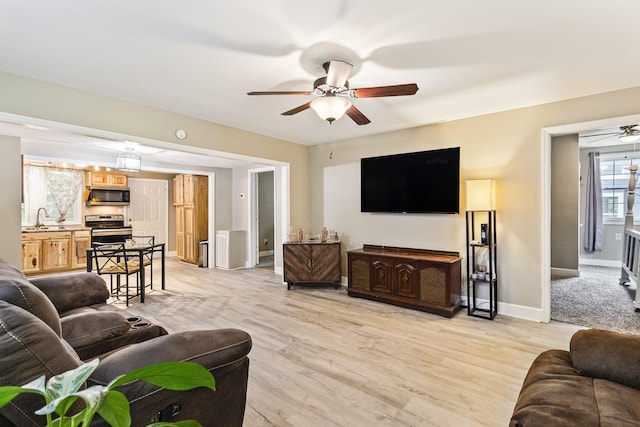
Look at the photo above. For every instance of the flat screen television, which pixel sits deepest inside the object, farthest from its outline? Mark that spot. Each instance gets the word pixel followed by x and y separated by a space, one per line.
pixel 421 182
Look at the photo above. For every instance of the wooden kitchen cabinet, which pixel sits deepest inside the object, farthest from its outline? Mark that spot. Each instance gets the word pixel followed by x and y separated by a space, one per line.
pixel 178 190
pixel 106 179
pixel 81 241
pixel 311 263
pixel 56 252
pixel 421 279
pixel 192 214
pixel 31 256
pixel 180 232
pixel 51 251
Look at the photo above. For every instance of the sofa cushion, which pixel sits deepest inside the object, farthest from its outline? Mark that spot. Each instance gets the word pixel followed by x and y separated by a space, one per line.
pixel 553 394
pixel 70 291
pixel 17 290
pixel 618 404
pixel 86 328
pixel 29 349
pixel 608 355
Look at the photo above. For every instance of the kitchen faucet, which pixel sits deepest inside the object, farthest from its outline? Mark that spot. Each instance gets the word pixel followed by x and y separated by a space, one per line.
pixel 38 222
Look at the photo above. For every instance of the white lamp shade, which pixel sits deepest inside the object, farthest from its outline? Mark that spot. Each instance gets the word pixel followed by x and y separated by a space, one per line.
pixel 128 161
pixel 481 195
pixel 330 108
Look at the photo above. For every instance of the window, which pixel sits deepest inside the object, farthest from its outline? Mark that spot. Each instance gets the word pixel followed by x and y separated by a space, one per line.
pixel 55 190
pixel 614 177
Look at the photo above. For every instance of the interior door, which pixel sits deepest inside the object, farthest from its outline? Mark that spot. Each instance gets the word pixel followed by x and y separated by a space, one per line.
pixel 148 212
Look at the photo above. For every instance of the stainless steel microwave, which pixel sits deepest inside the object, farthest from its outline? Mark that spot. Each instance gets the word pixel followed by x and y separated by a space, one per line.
pixel 100 196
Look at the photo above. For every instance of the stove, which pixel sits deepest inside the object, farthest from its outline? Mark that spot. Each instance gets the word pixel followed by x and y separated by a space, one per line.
pixel 107 229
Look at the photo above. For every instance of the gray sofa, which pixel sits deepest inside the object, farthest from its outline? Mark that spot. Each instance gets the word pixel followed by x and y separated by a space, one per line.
pixel 595 383
pixel 50 325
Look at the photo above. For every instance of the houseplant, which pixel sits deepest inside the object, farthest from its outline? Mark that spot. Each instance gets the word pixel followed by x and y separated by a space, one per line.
pixel 61 391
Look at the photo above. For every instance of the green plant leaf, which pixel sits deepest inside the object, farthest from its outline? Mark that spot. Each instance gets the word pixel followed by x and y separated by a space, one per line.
pixel 37 384
pixel 115 409
pixel 171 375
pixel 68 421
pixel 70 382
pixel 8 393
pixel 92 397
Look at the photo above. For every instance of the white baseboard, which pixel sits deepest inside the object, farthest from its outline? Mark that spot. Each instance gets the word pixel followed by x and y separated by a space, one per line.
pixel 265 253
pixel 601 262
pixel 565 272
pixel 521 312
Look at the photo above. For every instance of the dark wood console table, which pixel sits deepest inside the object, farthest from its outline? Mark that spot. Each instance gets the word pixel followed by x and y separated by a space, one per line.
pixel 311 263
pixel 421 279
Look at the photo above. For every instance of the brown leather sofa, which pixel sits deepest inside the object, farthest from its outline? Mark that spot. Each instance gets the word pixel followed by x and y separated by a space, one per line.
pixel 51 324
pixel 595 383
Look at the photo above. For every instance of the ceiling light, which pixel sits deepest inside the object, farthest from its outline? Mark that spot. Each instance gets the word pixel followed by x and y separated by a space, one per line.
pixel 330 108
pixel 629 136
pixel 128 161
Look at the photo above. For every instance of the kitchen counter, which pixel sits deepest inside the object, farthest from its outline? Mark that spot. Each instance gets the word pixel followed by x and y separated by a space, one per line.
pixel 54 228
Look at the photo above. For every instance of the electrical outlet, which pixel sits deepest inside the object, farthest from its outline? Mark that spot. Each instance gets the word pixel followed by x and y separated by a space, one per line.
pixel 266 242
pixel 618 236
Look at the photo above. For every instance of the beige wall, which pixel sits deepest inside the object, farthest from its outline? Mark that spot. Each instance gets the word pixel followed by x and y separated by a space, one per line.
pixel 565 193
pixel 506 146
pixel 11 197
pixel 31 98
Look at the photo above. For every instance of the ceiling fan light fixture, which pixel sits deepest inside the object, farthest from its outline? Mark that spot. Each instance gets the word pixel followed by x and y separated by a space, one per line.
pixel 330 108
pixel 629 137
pixel 128 161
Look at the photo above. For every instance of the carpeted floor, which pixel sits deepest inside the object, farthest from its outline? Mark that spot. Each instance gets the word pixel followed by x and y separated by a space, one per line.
pixel 595 299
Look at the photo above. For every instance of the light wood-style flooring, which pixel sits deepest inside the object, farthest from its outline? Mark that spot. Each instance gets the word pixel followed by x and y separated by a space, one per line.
pixel 321 358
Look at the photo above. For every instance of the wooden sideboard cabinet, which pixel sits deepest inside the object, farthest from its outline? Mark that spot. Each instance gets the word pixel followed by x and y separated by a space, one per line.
pixel 421 279
pixel 311 263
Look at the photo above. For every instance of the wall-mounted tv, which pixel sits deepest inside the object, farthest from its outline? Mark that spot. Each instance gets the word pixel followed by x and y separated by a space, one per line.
pixel 421 182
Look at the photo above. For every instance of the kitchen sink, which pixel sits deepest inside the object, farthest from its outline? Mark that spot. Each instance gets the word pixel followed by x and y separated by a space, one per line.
pixel 46 228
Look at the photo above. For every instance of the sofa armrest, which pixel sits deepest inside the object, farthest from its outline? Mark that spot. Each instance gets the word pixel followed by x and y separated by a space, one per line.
pixel 209 348
pixel 223 352
pixel 87 328
pixel 607 355
pixel 73 290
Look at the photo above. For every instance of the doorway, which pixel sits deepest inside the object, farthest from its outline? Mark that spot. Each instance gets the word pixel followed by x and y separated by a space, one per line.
pixel 546 237
pixel 263 185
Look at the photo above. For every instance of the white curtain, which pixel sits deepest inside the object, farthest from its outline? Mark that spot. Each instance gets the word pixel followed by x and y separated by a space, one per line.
pixel 593 209
pixel 63 186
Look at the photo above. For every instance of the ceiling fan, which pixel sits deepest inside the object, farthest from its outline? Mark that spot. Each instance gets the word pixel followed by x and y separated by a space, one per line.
pixel 333 94
pixel 628 133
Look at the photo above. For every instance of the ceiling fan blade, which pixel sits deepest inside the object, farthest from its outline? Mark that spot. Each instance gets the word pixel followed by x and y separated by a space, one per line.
pixel 297 109
pixel 357 116
pixel 602 134
pixel 337 72
pixel 286 92
pixel 602 137
pixel 395 90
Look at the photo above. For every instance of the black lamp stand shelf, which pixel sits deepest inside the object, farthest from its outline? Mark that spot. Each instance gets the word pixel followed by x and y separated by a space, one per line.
pixel 481 247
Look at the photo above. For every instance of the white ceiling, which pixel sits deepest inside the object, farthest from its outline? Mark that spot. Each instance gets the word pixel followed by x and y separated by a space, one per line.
pixel 199 57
